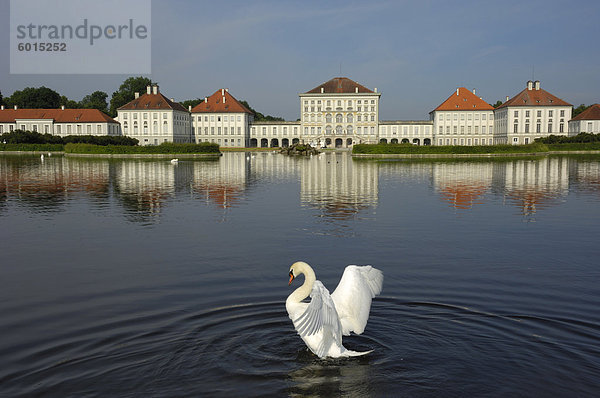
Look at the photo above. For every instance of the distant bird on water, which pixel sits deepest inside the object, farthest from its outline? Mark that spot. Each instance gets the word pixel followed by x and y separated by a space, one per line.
pixel 174 161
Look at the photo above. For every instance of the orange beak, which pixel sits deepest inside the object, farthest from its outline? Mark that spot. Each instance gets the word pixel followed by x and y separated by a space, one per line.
pixel 291 278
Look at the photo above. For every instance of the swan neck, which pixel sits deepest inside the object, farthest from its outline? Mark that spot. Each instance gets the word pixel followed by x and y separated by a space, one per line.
pixel 304 291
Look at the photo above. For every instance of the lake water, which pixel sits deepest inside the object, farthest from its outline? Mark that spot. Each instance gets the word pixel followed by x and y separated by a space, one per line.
pixel 140 278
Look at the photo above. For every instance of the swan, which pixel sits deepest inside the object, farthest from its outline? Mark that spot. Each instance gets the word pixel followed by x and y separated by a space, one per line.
pixel 174 161
pixel 322 322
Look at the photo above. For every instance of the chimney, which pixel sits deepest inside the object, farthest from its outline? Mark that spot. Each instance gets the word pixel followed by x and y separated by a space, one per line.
pixel 457 91
pixel 375 89
pixel 205 100
pixel 506 98
pixel 2 107
pixel 322 90
pixel 172 99
pixel 473 91
pixel 15 107
pixel 537 84
pixel 529 85
pixel 226 90
pixel 189 108
pixel 137 95
pixel 223 99
pixel 155 89
pixel 356 90
pixel 62 107
pixel 222 91
pixel 148 88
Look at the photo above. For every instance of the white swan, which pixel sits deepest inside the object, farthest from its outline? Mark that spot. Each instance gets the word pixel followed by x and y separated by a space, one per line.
pixel 174 161
pixel 322 322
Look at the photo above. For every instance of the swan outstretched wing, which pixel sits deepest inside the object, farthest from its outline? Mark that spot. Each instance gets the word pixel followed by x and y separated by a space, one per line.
pixel 320 315
pixel 353 295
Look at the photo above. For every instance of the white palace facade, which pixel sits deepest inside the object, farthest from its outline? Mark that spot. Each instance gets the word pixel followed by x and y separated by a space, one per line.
pixel 338 113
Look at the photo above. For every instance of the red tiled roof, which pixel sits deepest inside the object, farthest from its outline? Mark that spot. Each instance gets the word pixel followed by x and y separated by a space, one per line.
pixel 534 97
pixel 152 102
pixel 215 104
pixel 591 113
pixel 57 115
pixel 464 100
pixel 339 85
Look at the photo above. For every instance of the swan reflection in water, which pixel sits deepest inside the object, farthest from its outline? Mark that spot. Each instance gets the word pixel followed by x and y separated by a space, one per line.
pixel 347 377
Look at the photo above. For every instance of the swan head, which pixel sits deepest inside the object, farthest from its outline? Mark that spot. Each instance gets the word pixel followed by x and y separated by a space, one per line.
pixel 299 267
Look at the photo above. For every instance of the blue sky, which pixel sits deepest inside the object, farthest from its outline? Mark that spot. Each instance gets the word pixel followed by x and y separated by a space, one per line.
pixel 415 52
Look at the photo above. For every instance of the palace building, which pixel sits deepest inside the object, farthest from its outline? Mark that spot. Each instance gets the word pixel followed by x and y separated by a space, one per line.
pixel 60 122
pixel 531 114
pixel 338 113
pixel 587 121
pixel 463 119
pixel 152 119
pixel 221 119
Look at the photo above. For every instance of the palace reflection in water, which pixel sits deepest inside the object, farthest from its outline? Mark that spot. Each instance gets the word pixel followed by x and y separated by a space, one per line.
pixel 333 184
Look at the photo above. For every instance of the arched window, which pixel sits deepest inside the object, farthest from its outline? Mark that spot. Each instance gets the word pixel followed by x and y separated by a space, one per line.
pixel 135 127
pixel 349 118
pixel 155 127
pixel 349 129
pixel 338 130
pixel 328 118
pixel 124 126
pixel 145 127
pixel 165 127
pixel 339 118
pixel 328 130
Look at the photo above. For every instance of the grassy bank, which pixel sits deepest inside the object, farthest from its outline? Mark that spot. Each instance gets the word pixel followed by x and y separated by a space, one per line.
pixel 165 148
pixel 447 149
pixel 32 147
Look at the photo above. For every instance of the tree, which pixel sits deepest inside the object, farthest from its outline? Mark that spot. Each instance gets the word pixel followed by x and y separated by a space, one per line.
pixel 69 103
pixel 191 103
pixel 96 100
pixel 126 92
pixel 579 109
pixel 36 98
pixel 497 104
pixel 260 117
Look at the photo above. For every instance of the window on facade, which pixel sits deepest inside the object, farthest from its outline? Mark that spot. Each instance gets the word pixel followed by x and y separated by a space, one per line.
pixel 516 114
pixel 145 127
pixel 516 128
pixel 526 113
pixel 338 130
pixel 561 127
pixel 59 129
pixel 372 118
pixel 539 113
pixel 349 118
pixel 538 127
pixel 527 127
pixel 339 118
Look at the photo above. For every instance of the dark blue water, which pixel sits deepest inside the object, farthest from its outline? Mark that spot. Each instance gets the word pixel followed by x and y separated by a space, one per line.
pixel 129 278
